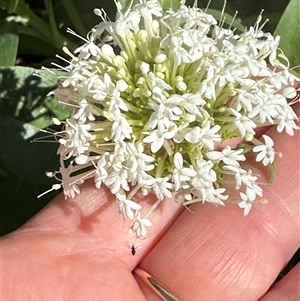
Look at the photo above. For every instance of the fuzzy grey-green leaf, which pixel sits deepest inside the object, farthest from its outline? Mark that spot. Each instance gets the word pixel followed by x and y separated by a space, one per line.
pixel 288 29
pixel 9 41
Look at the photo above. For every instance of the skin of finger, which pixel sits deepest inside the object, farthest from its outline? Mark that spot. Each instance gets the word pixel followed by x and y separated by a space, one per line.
pixel 214 253
pixel 93 216
pixel 78 250
pixel 71 277
pixel 287 289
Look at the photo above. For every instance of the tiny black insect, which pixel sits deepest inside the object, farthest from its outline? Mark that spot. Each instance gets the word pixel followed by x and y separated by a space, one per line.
pixel 133 251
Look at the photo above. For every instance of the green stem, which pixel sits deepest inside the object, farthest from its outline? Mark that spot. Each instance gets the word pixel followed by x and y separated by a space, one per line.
pixel 41 27
pixel 152 208
pixel 160 166
pixel 74 17
pixel 53 26
pixel 168 148
pixel 37 23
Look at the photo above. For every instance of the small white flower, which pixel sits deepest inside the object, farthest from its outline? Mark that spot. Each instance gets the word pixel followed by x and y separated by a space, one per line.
pixel 266 153
pixel 243 123
pixel 181 175
pixel 245 204
pixel 102 87
pixel 286 120
pixel 166 130
pixel 193 103
pixel 126 21
pixel 70 184
pixel 127 207
pixel 76 137
pixel 162 187
pixel 202 183
pixel 120 129
pixel 139 226
pixel 205 135
pixel 102 169
pixel 118 176
pixel 86 111
pixel 150 7
pixel 88 49
pixel 227 155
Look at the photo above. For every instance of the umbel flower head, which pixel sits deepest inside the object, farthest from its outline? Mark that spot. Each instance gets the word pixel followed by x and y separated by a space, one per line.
pixel 154 96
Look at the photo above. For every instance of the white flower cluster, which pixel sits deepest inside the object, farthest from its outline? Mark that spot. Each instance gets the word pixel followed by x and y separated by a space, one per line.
pixel 156 93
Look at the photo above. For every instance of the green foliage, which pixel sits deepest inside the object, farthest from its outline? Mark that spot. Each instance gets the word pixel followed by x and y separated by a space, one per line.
pixel 126 4
pixel 288 29
pixel 25 109
pixel 9 40
pixel 12 5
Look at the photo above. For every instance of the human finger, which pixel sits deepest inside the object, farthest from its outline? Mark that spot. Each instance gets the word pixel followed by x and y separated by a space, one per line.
pixel 286 289
pixel 214 252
